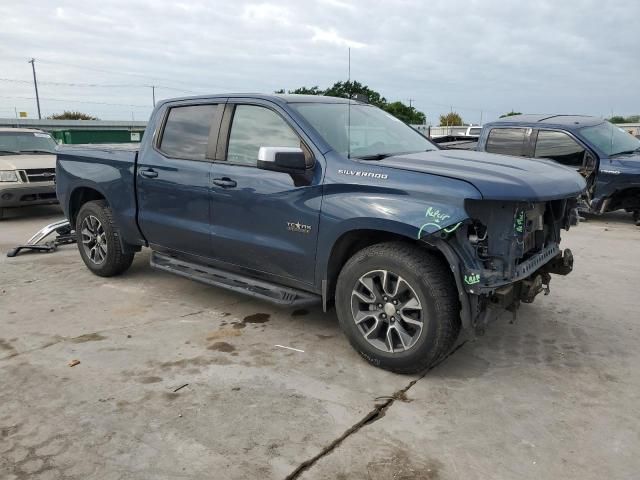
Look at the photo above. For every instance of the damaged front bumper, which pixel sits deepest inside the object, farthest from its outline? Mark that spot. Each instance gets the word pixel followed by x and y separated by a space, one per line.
pixel 505 253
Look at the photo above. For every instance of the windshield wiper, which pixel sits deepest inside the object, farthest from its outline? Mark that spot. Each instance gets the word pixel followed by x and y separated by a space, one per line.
pixel 9 152
pixel 36 151
pixel 377 156
pixel 381 156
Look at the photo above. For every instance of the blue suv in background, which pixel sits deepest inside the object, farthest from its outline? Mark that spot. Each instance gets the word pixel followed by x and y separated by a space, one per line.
pixel 607 156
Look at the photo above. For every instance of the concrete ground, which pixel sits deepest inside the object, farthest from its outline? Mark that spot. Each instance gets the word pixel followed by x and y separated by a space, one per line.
pixel 181 380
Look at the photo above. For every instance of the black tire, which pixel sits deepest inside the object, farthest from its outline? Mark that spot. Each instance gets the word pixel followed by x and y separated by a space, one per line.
pixel 115 261
pixel 432 282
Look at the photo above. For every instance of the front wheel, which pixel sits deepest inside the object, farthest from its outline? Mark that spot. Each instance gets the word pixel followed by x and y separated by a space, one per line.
pixel 98 240
pixel 398 305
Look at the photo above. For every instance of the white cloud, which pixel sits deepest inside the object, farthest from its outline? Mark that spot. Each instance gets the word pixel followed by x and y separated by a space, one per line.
pixel 266 12
pixel 479 56
pixel 334 38
pixel 339 4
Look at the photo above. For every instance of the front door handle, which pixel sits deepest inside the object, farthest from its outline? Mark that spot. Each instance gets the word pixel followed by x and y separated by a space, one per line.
pixel 149 173
pixel 224 182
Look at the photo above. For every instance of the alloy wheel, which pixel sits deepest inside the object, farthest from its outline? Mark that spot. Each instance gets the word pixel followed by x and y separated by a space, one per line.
pixel 94 239
pixel 387 311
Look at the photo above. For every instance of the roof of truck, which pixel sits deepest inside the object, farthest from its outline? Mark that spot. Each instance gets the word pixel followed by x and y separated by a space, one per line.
pixel 278 98
pixel 565 121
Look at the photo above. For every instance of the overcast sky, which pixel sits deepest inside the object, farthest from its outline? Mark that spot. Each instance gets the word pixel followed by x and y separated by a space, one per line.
pixel 480 57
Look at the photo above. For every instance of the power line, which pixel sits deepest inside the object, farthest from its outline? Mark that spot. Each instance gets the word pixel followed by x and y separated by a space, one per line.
pixel 98 85
pixel 77 101
pixel 117 72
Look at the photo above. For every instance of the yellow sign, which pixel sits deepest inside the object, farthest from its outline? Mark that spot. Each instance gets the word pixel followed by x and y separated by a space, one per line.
pixel 23 114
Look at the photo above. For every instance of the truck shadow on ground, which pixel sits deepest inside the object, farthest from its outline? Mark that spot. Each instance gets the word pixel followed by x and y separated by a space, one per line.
pixel 31 213
pixel 619 217
pixel 539 341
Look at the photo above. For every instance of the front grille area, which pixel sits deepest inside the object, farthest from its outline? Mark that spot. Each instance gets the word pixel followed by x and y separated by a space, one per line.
pixel 41 175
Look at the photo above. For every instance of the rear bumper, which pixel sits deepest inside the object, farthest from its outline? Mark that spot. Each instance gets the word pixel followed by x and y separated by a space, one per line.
pixel 22 195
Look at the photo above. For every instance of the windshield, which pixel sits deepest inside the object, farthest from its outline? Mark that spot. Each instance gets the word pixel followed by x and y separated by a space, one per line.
pixel 610 139
pixel 373 132
pixel 26 142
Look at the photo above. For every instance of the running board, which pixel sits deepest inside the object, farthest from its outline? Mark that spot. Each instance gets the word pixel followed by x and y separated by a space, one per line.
pixel 270 292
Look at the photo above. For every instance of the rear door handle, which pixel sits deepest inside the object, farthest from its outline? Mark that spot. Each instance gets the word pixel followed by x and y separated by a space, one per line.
pixel 224 182
pixel 149 173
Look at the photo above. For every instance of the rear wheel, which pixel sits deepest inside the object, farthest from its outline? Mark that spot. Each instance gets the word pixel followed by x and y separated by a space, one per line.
pixel 99 240
pixel 398 305
pixel 636 217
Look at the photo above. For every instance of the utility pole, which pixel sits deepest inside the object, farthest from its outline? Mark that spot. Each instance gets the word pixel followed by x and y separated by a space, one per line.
pixel 153 92
pixel 35 84
pixel 411 100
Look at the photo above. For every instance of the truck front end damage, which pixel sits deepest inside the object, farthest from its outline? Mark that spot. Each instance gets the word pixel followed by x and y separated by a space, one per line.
pixel 505 252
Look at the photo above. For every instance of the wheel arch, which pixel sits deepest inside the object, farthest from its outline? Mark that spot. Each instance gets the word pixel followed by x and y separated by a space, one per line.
pixel 84 194
pixel 79 196
pixel 352 241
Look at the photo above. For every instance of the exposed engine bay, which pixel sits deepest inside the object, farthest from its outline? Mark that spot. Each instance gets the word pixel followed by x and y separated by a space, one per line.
pixel 507 252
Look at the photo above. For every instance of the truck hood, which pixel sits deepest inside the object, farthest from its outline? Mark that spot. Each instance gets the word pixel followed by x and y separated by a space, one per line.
pixel 497 177
pixel 26 161
pixel 630 162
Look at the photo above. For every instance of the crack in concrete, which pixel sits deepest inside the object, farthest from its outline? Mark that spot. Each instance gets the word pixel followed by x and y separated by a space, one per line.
pixel 372 416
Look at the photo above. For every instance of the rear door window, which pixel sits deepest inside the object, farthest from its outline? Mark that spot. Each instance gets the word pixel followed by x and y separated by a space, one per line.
pixel 560 147
pixel 507 141
pixel 186 131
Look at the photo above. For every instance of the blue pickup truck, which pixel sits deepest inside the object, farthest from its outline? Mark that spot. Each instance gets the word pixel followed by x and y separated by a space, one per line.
pixel 297 199
pixel 607 156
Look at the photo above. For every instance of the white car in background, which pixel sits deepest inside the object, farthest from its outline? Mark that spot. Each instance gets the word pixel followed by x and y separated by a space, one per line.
pixel 27 168
pixel 473 131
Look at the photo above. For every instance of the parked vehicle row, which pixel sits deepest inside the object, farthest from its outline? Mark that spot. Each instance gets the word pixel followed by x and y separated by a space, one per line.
pixel 296 199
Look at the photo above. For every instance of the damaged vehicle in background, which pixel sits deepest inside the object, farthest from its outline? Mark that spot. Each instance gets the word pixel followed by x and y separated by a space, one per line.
pixel 296 199
pixel 27 168
pixel 607 156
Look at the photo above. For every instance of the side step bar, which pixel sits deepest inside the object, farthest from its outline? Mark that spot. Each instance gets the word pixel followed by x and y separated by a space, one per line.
pixel 280 295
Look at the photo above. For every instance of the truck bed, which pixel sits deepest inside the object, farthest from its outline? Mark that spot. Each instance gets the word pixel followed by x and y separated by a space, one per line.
pixel 109 169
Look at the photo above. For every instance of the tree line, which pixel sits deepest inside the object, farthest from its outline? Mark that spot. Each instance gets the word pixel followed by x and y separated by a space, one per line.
pixel 349 89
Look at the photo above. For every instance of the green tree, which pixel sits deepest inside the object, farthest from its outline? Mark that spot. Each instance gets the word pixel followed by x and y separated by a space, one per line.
pixel 451 119
pixel 510 114
pixel 349 89
pixel 307 91
pixel 621 119
pixel 69 115
pixel 405 113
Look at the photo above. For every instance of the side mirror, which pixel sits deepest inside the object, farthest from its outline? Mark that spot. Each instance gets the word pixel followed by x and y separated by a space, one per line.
pixel 283 159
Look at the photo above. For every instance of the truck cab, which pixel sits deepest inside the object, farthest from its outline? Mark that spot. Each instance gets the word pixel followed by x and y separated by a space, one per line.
pixel 607 157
